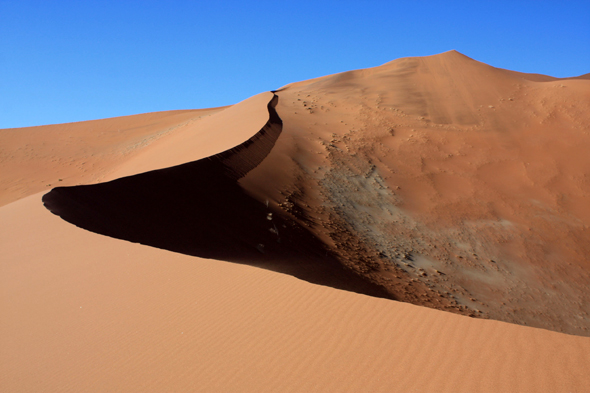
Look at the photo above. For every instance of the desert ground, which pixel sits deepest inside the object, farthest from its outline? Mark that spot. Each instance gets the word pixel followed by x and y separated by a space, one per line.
pixel 417 226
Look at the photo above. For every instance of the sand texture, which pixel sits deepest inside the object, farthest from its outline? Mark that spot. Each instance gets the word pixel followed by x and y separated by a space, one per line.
pixel 313 238
pixel 447 182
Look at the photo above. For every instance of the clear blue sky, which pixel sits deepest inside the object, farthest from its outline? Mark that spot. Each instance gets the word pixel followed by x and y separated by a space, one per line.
pixel 63 61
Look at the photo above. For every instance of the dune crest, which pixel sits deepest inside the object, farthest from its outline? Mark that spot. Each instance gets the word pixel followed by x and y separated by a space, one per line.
pixel 199 209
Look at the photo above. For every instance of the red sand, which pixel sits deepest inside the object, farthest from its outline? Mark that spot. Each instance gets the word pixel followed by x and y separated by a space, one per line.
pixel 83 312
pixel 469 181
pixel 439 163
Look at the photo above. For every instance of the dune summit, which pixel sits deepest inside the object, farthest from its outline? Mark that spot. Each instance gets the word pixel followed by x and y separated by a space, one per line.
pixel 443 183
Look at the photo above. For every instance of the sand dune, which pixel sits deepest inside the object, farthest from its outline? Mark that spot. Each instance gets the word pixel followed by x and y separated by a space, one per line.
pixel 467 181
pixel 438 181
pixel 199 209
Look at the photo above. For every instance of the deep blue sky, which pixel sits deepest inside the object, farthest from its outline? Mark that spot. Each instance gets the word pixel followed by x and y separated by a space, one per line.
pixel 63 61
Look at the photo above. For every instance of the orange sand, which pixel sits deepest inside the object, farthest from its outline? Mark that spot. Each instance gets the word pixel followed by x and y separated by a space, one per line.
pixel 468 180
pixel 86 312
pixel 83 312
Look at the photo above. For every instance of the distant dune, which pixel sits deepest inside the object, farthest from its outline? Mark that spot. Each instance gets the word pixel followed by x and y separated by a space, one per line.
pixel 438 181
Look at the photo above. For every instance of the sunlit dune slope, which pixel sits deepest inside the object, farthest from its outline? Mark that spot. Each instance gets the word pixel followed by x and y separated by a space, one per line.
pixel 451 183
pixel 209 136
pixel 38 158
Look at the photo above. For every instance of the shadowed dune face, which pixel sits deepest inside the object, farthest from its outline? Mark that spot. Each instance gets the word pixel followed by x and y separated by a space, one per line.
pixel 199 209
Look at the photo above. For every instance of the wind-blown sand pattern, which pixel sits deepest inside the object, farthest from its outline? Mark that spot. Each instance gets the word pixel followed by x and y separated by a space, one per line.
pixel 437 181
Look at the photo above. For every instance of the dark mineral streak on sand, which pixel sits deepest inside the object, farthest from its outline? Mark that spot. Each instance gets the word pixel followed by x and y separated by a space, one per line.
pixel 199 209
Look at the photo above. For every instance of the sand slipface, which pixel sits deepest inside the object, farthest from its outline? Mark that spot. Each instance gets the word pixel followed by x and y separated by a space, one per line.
pixel 437 181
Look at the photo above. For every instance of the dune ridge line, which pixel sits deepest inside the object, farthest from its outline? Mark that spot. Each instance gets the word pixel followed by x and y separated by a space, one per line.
pixel 200 209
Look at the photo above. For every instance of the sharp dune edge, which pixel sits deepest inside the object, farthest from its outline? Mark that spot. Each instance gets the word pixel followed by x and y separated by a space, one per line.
pixel 438 181
pixel 198 209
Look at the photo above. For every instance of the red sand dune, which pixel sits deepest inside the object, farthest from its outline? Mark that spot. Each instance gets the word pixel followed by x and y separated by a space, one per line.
pixel 439 181
pixel 468 181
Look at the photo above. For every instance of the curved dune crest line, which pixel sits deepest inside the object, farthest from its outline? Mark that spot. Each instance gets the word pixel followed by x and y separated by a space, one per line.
pixel 439 181
pixel 199 209
pixel 240 160
pixel 206 137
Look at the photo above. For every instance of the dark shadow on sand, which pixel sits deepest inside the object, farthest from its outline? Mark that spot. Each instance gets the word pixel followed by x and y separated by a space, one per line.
pixel 199 209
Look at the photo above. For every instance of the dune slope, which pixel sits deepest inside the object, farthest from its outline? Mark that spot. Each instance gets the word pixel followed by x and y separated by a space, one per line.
pixel 34 159
pixel 450 183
